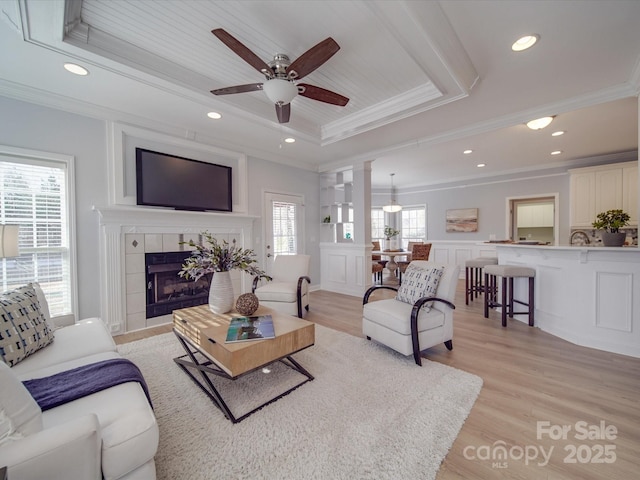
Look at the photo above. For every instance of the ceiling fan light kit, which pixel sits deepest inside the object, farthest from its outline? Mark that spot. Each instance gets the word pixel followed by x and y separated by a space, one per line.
pixel 280 74
pixel 280 91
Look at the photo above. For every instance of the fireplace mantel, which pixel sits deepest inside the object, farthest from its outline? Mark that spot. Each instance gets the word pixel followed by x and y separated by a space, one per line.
pixel 119 223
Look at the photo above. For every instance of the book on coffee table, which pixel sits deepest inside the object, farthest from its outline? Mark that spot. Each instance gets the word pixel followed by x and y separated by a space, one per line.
pixel 244 329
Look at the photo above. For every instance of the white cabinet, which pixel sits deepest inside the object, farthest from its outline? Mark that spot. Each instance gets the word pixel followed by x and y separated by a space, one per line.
pixel 608 189
pixel 630 192
pixel 535 215
pixel 336 206
pixel 598 189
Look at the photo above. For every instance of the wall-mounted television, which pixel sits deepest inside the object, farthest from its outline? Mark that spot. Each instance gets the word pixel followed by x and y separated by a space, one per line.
pixel 164 180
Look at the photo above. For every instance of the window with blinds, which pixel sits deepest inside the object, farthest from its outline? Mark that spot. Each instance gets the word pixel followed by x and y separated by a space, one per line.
pixel 284 228
pixel 34 196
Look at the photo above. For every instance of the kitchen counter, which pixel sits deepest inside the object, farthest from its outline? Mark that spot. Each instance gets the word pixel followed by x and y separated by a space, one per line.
pixel 588 295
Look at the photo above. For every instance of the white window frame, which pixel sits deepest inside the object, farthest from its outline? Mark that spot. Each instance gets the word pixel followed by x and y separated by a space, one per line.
pixel 377 234
pixel 67 163
pixel 406 238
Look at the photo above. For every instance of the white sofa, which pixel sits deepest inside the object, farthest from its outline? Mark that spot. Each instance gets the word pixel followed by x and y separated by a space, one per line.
pixel 111 434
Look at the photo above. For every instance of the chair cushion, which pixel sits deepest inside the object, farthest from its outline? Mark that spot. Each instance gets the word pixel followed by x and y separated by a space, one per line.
pixel 396 316
pixel 418 282
pixel 20 415
pixel 23 327
pixel 278 292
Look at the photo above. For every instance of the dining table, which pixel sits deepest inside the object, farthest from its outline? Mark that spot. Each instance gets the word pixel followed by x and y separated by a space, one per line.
pixel 392 266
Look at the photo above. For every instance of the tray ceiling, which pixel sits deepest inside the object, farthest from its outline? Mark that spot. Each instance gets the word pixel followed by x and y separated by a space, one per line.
pixel 426 80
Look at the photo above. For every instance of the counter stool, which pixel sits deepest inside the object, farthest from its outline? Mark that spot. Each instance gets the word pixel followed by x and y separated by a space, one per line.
pixel 491 272
pixel 473 276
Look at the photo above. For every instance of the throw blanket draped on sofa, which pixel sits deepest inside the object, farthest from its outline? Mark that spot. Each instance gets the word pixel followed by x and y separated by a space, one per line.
pixel 64 387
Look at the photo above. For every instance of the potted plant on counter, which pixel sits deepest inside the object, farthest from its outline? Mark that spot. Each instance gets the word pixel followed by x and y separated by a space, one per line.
pixel 611 222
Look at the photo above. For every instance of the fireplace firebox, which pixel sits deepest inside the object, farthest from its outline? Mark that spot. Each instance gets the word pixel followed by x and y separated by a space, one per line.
pixel 166 290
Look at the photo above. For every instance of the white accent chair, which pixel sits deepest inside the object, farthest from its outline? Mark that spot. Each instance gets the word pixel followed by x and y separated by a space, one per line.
pixel 408 328
pixel 288 291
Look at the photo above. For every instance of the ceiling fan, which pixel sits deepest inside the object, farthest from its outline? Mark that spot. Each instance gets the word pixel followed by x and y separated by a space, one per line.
pixel 281 74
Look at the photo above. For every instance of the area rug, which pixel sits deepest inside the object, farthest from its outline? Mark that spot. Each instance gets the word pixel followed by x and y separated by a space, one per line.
pixel 370 413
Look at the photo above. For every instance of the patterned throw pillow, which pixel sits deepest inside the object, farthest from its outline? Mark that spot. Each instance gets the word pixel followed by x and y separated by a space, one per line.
pixel 23 328
pixel 418 282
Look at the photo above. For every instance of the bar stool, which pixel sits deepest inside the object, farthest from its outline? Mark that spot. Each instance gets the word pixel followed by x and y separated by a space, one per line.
pixel 491 272
pixel 473 276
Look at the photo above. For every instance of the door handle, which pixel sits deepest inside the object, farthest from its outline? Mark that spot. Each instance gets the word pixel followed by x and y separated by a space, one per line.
pixel 269 255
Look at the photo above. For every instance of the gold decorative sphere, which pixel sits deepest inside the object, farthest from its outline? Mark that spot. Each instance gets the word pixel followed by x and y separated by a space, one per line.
pixel 247 303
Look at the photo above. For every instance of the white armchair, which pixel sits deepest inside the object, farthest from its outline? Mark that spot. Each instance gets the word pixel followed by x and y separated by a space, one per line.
pixel 288 291
pixel 422 320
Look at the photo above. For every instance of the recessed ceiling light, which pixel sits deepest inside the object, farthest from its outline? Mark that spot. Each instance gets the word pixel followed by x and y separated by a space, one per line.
pixel 467 152
pixel 76 69
pixel 290 140
pixel 525 42
pixel 539 123
pixel 214 115
pixel 556 152
pixel 480 165
pixel 558 133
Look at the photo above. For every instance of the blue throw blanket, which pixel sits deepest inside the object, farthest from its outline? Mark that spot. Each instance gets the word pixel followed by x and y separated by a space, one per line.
pixel 70 385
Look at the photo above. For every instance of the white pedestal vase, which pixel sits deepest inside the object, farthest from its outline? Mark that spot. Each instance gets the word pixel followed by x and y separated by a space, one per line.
pixel 221 293
pixel 391 245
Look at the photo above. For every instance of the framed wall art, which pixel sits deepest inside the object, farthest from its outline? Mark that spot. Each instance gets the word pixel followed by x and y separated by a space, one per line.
pixel 462 220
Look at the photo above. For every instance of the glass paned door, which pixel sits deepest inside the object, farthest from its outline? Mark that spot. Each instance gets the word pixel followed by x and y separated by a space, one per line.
pixel 284 218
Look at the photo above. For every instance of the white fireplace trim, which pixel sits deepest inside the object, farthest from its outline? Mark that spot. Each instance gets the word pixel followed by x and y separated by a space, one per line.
pixel 117 222
pixel 117 155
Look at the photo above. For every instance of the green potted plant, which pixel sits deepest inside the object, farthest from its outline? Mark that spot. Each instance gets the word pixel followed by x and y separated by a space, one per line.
pixel 219 258
pixel 391 242
pixel 611 222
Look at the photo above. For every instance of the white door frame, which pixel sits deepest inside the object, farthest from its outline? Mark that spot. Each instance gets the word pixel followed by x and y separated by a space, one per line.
pixel 268 198
pixel 556 213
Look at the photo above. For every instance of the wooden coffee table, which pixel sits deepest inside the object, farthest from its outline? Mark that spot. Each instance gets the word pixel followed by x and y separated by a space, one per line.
pixel 202 334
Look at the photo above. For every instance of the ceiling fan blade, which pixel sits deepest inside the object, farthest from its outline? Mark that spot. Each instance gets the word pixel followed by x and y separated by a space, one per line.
pixel 242 51
pixel 321 94
pixel 283 112
pixel 251 87
pixel 313 58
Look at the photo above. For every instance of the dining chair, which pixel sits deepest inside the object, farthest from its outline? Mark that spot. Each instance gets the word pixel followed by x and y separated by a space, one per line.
pixel 419 251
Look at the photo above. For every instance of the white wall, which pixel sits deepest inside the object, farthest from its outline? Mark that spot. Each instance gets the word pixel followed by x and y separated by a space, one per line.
pixel 273 177
pixel 29 126
pixel 34 127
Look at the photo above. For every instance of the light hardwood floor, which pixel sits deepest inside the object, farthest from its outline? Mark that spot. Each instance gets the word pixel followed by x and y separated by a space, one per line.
pixel 529 377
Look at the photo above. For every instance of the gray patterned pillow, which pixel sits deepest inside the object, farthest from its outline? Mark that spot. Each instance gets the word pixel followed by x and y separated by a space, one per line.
pixel 23 328
pixel 418 282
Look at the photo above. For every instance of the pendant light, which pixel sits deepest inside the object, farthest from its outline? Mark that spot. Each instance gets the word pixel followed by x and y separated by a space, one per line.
pixel 393 206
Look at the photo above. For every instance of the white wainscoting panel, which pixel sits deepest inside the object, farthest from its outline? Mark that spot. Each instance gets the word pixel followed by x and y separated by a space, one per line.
pixel 614 300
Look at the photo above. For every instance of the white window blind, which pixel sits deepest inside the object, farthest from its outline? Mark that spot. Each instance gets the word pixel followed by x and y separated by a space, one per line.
pixel 34 196
pixel 284 228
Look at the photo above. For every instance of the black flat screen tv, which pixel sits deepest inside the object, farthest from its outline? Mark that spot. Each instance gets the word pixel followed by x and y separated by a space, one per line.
pixel 164 180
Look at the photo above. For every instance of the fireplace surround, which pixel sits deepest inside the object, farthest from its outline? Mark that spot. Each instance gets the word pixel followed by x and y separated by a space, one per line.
pixel 127 234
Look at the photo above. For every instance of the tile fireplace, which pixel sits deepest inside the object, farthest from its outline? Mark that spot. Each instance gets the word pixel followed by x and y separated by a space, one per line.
pixel 129 234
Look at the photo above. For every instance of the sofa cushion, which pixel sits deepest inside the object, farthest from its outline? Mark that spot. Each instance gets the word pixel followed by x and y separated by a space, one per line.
pixel 418 282
pixel 20 415
pixel 84 338
pixel 23 327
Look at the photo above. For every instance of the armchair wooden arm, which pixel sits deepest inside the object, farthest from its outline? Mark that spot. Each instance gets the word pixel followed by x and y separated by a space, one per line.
pixel 415 311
